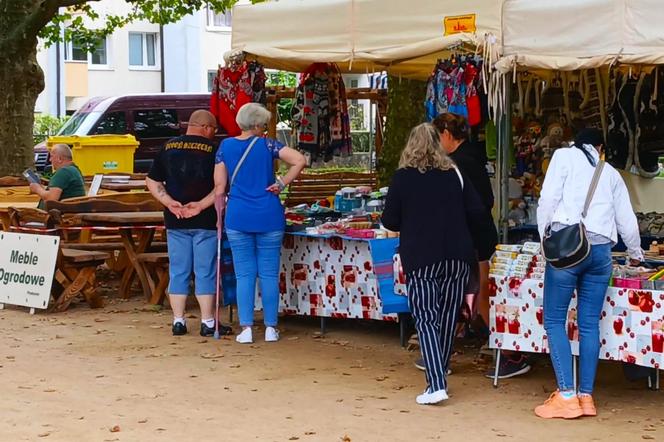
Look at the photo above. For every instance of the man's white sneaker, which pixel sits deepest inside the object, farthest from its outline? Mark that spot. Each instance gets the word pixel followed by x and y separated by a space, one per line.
pixel 246 337
pixel 271 334
pixel 429 398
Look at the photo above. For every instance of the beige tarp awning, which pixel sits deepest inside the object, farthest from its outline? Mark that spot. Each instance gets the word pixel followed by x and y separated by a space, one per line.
pixel 579 34
pixel 404 37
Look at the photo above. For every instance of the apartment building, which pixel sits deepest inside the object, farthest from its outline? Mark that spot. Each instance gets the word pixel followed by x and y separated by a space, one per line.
pixel 140 58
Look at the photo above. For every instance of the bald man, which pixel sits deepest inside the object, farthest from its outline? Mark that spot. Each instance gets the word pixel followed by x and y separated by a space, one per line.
pixel 182 179
pixel 66 182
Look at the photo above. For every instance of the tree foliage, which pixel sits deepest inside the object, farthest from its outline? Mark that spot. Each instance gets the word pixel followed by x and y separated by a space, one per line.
pixel 285 105
pixel 45 126
pixel 71 18
pixel 405 111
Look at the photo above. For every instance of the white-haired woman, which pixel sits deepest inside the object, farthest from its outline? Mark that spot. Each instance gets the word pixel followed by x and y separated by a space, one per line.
pixel 438 214
pixel 255 219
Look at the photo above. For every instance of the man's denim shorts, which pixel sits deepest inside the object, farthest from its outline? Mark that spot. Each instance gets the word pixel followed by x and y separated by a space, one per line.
pixel 192 250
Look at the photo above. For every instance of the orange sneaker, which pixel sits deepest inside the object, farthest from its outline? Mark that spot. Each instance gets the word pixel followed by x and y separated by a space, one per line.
pixel 587 405
pixel 559 407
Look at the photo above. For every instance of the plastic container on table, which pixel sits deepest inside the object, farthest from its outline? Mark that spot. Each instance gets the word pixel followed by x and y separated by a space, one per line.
pixel 100 154
pixel 627 283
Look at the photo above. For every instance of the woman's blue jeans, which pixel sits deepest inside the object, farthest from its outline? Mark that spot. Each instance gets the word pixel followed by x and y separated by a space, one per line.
pixel 256 255
pixel 590 278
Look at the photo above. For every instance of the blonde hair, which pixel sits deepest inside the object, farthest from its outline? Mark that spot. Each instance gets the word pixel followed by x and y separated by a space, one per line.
pixel 252 115
pixel 423 150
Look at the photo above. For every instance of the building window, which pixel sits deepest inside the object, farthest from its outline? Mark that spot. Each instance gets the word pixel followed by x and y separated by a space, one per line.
pixel 143 49
pixel 219 19
pixel 210 79
pixel 74 51
pixel 100 54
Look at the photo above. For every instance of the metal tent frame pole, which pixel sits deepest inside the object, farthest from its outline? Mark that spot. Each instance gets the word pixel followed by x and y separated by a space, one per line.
pixel 503 157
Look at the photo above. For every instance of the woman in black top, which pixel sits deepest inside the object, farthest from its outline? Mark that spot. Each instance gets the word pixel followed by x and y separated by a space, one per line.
pixel 471 159
pixel 437 213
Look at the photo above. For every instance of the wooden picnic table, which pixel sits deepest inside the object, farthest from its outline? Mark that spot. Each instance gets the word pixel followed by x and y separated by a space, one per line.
pixel 138 224
pixel 124 187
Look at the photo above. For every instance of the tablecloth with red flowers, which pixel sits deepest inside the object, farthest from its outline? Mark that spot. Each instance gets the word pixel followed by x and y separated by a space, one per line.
pixel 631 322
pixel 338 277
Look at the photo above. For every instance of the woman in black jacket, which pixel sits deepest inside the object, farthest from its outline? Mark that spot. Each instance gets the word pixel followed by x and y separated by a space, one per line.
pixel 471 160
pixel 438 214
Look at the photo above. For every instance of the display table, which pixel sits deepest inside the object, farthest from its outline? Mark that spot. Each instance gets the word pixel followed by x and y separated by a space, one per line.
pixel 631 323
pixel 338 277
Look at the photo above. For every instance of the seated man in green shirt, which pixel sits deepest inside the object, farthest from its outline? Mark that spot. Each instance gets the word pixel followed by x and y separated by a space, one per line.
pixel 67 182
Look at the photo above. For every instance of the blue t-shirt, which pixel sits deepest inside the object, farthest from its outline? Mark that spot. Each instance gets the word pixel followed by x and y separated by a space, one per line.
pixel 251 208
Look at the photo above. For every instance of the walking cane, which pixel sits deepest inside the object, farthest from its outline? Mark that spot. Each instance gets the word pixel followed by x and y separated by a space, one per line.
pixel 220 221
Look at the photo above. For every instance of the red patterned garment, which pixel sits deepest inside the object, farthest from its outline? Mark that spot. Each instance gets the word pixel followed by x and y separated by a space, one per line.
pixel 232 89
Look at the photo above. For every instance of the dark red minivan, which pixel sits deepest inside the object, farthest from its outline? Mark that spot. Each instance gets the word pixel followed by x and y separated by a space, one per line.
pixel 151 118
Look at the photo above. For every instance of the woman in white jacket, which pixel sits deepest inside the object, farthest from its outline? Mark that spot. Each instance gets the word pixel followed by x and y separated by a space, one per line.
pixel 610 213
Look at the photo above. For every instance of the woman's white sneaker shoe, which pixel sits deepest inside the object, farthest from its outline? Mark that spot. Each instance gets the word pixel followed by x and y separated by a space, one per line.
pixel 430 398
pixel 271 334
pixel 246 337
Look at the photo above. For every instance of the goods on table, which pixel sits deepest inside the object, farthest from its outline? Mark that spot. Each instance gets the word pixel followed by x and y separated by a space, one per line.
pixel 356 214
pixel 526 262
pixel 520 261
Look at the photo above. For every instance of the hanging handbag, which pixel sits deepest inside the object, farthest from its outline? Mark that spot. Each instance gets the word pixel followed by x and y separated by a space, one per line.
pixel 569 246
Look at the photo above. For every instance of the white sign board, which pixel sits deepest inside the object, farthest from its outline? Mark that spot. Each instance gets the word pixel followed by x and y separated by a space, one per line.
pixel 96 184
pixel 27 263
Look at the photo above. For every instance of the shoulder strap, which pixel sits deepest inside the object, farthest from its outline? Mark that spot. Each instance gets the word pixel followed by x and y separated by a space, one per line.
pixel 458 172
pixel 244 157
pixel 593 187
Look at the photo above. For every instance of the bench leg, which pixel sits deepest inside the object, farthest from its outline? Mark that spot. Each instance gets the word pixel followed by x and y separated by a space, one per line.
pixel 117 263
pixel 151 276
pixel 90 292
pixel 159 293
pixel 73 289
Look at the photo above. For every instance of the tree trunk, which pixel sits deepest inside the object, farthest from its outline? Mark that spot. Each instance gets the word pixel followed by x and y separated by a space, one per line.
pixel 405 110
pixel 21 81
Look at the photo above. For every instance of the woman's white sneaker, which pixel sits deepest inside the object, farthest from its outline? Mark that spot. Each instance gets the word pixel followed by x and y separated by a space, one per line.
pixel 271 334
pixel 430 398
pixel 246 337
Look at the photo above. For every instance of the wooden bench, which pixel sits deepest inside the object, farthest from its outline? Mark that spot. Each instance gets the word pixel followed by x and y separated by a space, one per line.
pixel 75 270
pixel 311 187
pixel 70 210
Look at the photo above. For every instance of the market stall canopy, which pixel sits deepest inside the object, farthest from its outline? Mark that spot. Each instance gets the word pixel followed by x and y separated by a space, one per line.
pixel 580 34
pixel 363 35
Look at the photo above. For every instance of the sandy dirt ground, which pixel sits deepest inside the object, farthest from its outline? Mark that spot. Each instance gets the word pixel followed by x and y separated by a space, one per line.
pixel 117 374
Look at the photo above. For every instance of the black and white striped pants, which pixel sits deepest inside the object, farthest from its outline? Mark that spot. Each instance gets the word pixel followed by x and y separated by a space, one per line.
pixel 435 293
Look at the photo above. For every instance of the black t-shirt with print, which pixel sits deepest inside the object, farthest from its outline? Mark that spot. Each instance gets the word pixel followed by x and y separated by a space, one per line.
pixel 186 167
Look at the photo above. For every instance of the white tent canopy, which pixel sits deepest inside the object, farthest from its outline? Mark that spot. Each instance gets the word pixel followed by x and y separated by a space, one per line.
pixel 580 34
pixel 361 35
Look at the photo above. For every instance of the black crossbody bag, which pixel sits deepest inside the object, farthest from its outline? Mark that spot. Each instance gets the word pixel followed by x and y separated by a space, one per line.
pixel 569 246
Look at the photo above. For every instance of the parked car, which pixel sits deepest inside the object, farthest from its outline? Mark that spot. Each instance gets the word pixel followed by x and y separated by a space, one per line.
pixel 151 118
